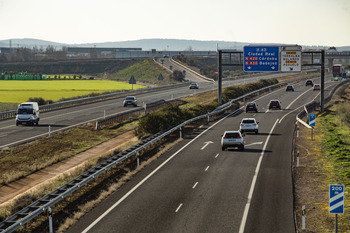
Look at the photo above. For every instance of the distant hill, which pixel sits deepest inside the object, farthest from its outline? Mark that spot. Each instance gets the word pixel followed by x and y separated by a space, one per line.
pixel 147 44
pixel 30 43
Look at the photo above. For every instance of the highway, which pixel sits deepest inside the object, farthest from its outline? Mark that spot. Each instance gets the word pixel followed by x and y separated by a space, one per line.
pixel 10 134
pixel 197 187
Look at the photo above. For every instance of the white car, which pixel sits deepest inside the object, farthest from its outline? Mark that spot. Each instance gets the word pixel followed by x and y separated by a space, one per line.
pixel 130 100
pixel 249 125
pixel 232 139
pixel 194 86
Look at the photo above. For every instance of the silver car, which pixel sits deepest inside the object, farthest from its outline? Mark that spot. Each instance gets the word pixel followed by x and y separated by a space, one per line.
pixel 232 139
pixel 130 100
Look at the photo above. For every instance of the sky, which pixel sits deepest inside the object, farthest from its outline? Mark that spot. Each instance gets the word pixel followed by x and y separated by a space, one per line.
pixel 303 22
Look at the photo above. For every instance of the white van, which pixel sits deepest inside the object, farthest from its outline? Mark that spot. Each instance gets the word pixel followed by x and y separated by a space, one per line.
pixel 28 113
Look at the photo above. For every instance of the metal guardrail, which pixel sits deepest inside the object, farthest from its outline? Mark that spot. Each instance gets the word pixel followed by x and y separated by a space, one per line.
pixel 120 117
pixel 87 100
pixel 313 104
pixel 38 207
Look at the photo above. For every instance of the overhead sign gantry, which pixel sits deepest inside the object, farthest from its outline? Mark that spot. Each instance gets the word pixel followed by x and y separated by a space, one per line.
pixel 269 58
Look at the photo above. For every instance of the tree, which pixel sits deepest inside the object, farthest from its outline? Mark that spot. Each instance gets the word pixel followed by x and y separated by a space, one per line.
pixel 178 76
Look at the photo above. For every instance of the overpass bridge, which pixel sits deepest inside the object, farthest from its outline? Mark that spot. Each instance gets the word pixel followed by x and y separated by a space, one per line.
pixel 330 55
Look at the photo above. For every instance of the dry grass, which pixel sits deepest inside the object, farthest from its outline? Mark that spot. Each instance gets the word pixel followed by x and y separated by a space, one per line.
pixel 314 175
pixel 83 209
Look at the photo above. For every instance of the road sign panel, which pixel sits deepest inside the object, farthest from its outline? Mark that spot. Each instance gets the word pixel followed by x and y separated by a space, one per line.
pixel 336 199
pixel 312 119
pixel 261 58
pixel 132 80
pixel 291 61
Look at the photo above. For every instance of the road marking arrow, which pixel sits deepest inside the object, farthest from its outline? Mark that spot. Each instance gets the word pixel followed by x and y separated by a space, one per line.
pixel 254 143
pixel 206 144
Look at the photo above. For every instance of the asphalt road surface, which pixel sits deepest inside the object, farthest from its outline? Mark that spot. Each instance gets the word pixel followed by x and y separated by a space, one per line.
pixel 53 121
pixel 197 187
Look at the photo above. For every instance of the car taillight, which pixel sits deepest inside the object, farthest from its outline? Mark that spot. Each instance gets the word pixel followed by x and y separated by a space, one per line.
pixel 241 124
pixel 224 137
pixel 239 137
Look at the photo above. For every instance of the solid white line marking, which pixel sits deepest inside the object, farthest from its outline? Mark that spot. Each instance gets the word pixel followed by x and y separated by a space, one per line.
pixel 250 195
pixel 147 177
pixel 216 155
pixel 194 186
pixel 178 208
pixel 207 168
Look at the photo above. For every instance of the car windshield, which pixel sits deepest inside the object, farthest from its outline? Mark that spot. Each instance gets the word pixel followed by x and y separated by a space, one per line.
pixel 248 121
pixel 25 111
pixel 232 135
pixel 130 98
pixel 251 105
pixel 274 102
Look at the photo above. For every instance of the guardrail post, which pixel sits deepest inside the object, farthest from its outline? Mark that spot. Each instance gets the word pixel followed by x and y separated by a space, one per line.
pixel 180 132
pixel 138 159
pixel 208 117
pixel 297 131
pixel 303 227
pixel 298 158
pixel 96 127
pixel 49 130
pixel 50 220
pixel 145 109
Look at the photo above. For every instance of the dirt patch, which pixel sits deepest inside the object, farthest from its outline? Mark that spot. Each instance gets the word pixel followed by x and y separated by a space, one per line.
pixel 20 187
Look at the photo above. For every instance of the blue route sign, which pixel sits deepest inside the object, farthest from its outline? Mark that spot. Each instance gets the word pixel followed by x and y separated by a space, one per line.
pixel 312 119
pixel 336 199
pixel 261 59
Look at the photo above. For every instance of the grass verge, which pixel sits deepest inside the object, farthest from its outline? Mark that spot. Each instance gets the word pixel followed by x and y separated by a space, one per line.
pixel 324 161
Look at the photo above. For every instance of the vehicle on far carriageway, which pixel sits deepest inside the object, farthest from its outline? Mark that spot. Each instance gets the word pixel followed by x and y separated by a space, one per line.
pixel 130 100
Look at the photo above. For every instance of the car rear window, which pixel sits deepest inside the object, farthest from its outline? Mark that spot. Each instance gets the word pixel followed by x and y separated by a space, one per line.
pixel 248 121
pixel 250 105
pixel 232 135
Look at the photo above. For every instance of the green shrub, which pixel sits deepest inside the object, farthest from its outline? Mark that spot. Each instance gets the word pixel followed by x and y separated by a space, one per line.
pixel 40 100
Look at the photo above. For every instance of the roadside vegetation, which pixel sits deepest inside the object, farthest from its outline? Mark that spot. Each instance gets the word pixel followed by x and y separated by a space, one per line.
pixel 324 161
pixel 208 65
pixel 174 115
pixel 144 71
